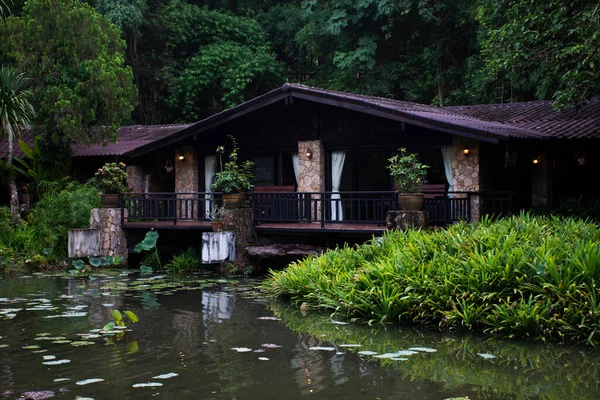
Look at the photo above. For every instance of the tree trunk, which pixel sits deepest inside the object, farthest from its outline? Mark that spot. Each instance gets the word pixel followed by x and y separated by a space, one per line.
pixel 12 186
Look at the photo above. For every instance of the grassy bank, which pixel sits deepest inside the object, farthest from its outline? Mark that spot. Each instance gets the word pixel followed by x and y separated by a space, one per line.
pixel 525 276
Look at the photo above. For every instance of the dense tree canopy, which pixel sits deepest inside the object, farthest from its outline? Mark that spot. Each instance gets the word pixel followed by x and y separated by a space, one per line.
pixel 193 58
pixel 82 89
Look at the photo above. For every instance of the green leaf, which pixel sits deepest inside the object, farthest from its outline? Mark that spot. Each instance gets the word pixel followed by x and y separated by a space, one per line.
pixel 78 264
pixel 109 327
pixel 117 316
pixel 26 148
pixel 95 261
pixel 132 316
pixel 144 269
pixel 148 243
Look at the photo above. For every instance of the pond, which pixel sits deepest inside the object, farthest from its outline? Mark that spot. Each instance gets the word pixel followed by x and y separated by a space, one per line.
pixel 204 338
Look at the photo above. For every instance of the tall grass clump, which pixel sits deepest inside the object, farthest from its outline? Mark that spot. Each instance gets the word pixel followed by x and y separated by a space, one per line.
pixel 524 276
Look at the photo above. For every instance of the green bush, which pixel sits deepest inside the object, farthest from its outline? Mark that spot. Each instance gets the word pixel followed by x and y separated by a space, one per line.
pixel 187 260
pixel 43 237
pixel 525 276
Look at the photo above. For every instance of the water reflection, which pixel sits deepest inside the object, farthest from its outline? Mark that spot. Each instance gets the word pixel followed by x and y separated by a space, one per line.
pixel 521 369
pixel 192 333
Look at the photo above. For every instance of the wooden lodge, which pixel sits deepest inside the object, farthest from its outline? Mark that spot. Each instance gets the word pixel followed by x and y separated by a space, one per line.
pixel 320 161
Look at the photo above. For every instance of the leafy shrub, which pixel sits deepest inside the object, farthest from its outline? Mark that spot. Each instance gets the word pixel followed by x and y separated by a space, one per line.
pixel 43 237
pixel 526 276
pixel 187 260
pixel 111 178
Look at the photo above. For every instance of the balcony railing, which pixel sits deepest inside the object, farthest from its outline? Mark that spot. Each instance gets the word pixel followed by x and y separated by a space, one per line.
pixel 175 207
pixel 318 207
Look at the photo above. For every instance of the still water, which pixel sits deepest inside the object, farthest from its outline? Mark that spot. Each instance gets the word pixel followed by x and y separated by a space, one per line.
pixel 202 338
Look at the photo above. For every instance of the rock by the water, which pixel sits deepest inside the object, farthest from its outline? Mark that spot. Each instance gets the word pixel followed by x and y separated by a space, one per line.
pixel 281 254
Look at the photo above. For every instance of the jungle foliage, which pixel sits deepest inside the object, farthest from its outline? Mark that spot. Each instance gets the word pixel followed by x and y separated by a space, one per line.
pixel 40 240
pixel 523 276
pixel 192 59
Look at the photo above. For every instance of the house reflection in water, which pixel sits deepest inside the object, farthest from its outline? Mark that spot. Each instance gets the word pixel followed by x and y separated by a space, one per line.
pixel 217 306
pixel 311 366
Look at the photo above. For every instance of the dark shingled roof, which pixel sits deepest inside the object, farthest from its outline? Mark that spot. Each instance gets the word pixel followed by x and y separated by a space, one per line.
pixel 432 117
pixel 129 138
pixel 580 122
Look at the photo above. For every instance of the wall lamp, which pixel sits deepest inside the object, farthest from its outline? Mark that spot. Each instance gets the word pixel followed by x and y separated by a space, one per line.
pixel 536 160
pixel 466 151
pixel 309 154
pixel 181 157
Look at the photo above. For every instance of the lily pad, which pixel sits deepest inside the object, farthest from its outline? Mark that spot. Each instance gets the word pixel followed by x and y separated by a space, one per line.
pixel 89 381
pixel 322 348
pixel 166 376
pixel 147 384
pixel 56 362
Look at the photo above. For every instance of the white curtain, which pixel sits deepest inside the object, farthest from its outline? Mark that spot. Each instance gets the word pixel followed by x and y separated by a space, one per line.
pixel 337 166
pixel 296 165
pixel 447 156
pixel 210 163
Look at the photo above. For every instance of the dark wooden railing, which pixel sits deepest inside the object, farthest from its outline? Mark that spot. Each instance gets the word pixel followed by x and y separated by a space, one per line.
pixel 368 207
pixel 175 207
pixel 318 207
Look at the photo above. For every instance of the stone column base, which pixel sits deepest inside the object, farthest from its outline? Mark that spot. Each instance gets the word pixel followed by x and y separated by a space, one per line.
pixel 239 221
pixel 112 237
pixel 403 220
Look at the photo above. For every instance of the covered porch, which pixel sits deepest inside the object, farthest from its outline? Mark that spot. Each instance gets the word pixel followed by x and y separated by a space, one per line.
pixel 320 162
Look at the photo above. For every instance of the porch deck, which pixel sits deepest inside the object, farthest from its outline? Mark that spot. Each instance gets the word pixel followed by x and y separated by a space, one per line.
pixel 351 212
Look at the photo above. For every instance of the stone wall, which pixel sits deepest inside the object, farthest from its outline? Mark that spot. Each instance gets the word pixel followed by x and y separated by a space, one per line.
pixel 112 237
pixel 311 170
pixel 136 180
pixel 186 180
pixel 465 171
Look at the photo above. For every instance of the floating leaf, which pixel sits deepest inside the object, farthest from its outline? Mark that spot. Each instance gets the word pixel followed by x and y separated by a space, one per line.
pixel 323 348
pixel 147 384
pixel 263 358
pixel 367 353
pixel 88 381
pixel 487 356
pixel 423 349
pixel 109 327
pixel 241 349
pixel 56 362
pixel 134 318
pixel 166 376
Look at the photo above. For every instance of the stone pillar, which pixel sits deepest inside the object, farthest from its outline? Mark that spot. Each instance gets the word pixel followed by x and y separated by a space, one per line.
pixel 541 182
pixel 186 180
pixel 405 220
pixel 311 171
pixel 112 236
pixel 135 178
pixel 465 171
pixel 240 222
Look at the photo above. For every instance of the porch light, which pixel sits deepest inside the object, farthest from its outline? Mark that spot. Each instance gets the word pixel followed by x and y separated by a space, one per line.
pixel 536 160
pixel 309 153
pixel 466 151
pixel 181 158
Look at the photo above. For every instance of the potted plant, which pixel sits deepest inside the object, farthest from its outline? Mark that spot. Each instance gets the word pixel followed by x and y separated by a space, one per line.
pixel 235 178
pixel 216 219
pixel 409 174
pixel 111 179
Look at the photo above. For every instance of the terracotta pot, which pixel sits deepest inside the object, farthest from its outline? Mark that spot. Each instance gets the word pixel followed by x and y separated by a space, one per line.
pixel 217 226
pixel 411 202
pixel 233 200
pixel 109 200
